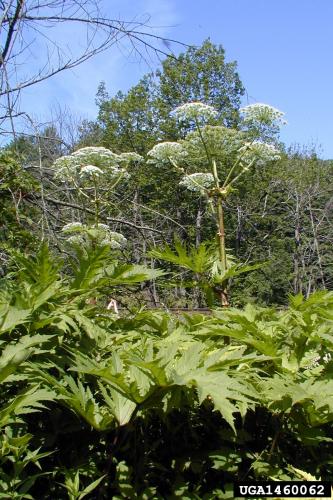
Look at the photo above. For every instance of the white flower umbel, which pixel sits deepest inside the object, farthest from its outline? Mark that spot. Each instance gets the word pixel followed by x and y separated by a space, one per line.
pixel 78 233
pixel 260 152
pixel 315 361
pixel 99 156
pixel 118 172
pixel 327 357
pixel 66 168
pixel 118 238
pixel 92 162
pixel 90 171
pixel 126 158
pixel 105 236
pixel 166 152
pixel 260 113
pixel 75 240
pixel 73 227
pixel 114 240
pixel 197 182
pixel 104 227
pixel 197 111
pixel 221 142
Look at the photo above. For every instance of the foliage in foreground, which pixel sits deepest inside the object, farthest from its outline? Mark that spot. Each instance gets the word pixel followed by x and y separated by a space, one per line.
pixel 147 405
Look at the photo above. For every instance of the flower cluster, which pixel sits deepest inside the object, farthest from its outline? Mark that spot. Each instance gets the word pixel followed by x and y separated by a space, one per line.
pixel 66 168
pixel 81 234
pixel 90 171
pixel 264 114
pixel 89 162
pixel 198 182
pixel 103 227
pixel 107 237
pixel 194 111
pixel 131 157
pixel 99 156
pixel 315 362
pixel 222 143
pixel 166 152
pixel 260 152
pixel 114 240
pixel 73 227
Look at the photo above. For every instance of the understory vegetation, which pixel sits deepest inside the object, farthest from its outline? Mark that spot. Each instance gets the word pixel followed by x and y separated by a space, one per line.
pixel 175 198
pixel 151 405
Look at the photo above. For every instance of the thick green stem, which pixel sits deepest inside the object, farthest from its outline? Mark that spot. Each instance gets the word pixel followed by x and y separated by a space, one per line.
pixel 221 236
pixel 220 219
pixel 96 203
pixel 222 249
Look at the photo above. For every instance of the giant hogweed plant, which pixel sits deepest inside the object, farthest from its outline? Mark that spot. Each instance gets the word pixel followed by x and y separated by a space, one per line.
pixel 148 405
pixel 153 369
pixel 212 159
pixel 94 172
pixel 41 309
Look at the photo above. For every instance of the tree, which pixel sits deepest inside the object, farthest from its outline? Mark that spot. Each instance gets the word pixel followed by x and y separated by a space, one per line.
pixel 142 116
pixel 200 74
pixel 17 228
pixel 129 121
pixel 281 216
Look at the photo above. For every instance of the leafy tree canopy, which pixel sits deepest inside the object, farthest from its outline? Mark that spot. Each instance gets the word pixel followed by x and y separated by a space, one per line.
pixel 140 117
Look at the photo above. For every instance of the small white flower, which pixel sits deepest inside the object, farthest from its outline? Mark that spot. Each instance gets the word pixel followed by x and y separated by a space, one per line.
pixel 197 182
pixel 73 227
pixel 130 157
pixel 263 114
pixel 104 227
pixel 75 240
pixel 118 238
pixel 166 151
pixel 90 171
pixel 327 357
pixel 194 111
pixel 259 151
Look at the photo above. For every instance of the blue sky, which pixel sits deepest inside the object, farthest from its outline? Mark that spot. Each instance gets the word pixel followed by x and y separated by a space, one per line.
pixel 283 48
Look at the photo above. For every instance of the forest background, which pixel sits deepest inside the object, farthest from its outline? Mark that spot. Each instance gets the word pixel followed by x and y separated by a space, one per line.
pixel 279 215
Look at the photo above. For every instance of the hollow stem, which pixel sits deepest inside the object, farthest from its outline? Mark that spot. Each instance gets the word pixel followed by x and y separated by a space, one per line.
pixel 96 202
pixel 221 236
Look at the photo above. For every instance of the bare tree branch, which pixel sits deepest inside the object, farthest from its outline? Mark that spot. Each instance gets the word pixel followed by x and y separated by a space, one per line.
pixel 25 29
pixel 89 211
